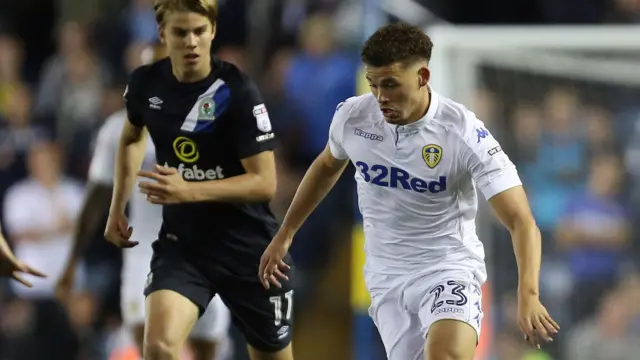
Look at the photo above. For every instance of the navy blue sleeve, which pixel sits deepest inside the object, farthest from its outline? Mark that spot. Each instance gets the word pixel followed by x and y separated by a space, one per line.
pixel 131 100
pixel 252 127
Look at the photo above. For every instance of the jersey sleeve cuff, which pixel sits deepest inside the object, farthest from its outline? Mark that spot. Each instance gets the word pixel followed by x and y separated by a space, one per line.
pixel 257 148
pixel 336 152
pixel 501 183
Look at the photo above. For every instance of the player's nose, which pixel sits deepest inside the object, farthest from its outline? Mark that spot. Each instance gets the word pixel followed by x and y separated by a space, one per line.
pixel 382 99
pixel 192 40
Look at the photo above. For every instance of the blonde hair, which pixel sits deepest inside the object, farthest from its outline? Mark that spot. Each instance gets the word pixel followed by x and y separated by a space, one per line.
pixel 208 8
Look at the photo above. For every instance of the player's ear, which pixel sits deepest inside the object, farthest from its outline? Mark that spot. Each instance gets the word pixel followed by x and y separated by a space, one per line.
pixel 161 34
pixel 214 28
pixel 423 76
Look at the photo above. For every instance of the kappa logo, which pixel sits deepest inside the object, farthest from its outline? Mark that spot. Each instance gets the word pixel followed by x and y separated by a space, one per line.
pixel 366 135
pixel 155 103
pixel 482 133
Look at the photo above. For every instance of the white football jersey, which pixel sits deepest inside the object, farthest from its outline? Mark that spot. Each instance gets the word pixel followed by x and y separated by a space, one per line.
pixel 417 184
pixel 145 218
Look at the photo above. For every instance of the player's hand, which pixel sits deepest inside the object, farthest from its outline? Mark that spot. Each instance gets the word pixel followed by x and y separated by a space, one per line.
pixel 13 268
pixel 272 264
pixel 534 321
pixel 118 231
pixel 169 186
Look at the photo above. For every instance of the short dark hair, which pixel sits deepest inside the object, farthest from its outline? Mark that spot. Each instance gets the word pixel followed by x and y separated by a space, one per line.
pixel 396 43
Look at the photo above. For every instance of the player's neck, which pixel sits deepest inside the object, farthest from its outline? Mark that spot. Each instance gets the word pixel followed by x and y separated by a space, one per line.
pixel 192 75
pixel 421 109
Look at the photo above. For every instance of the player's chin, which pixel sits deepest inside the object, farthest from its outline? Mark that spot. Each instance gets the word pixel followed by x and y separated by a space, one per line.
pixel 391 116
pixel 394 120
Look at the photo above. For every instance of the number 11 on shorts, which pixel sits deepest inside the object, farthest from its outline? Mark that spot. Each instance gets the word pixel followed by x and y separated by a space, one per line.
pixel 278 312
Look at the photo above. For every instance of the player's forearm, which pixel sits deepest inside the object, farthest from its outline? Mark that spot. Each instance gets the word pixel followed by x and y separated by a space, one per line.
pixel 129 158
pixel 91 215
pixel 528 250
pixel 242 188
pixel 316 184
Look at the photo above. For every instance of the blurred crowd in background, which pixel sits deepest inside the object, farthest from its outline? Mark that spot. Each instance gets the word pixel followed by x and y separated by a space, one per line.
pixel 63 69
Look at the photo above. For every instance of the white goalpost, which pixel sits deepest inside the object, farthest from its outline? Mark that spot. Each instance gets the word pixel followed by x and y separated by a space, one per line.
pixel 459 51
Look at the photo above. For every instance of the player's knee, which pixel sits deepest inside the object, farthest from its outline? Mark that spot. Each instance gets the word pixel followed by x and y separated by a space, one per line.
pixel 159 349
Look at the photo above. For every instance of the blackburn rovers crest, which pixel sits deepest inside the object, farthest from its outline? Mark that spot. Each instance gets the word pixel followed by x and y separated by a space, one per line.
pixel 431 154
pixel 206 109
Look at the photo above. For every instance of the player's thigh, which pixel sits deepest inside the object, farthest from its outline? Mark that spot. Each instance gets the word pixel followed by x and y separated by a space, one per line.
pixel 170 317
pixel 177 294
pixel 265 317
pixel 450 313
pixel 451 340
pixel 399 330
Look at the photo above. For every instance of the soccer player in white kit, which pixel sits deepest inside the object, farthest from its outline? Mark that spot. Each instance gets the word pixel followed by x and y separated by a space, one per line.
pixel 420 160
pixel 209 337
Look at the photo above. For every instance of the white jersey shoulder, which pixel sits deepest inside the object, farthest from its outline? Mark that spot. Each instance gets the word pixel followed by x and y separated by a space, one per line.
pixel 353 109
pixel 479 153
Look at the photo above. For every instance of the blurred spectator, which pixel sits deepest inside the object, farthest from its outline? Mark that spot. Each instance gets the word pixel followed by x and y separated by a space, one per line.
pixel 319 78
pixel 72 81
pixel 560 159
pixel 527 131
pixel 600 134
pixel 594 234
pixel 11 59
pixel 17 134
pixel 40 211
pixel 606 335
pixel 142 22
pixel 235 55
pixel 488 108
pixel 316 80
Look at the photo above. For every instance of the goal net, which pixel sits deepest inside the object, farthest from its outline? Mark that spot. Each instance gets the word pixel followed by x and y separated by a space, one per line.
pixel 565 104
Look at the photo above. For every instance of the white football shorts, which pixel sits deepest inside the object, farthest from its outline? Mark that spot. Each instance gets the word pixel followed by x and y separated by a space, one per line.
pixel 403 307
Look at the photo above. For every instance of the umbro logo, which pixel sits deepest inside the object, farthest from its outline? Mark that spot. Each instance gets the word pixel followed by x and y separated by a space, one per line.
pixel 155 102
